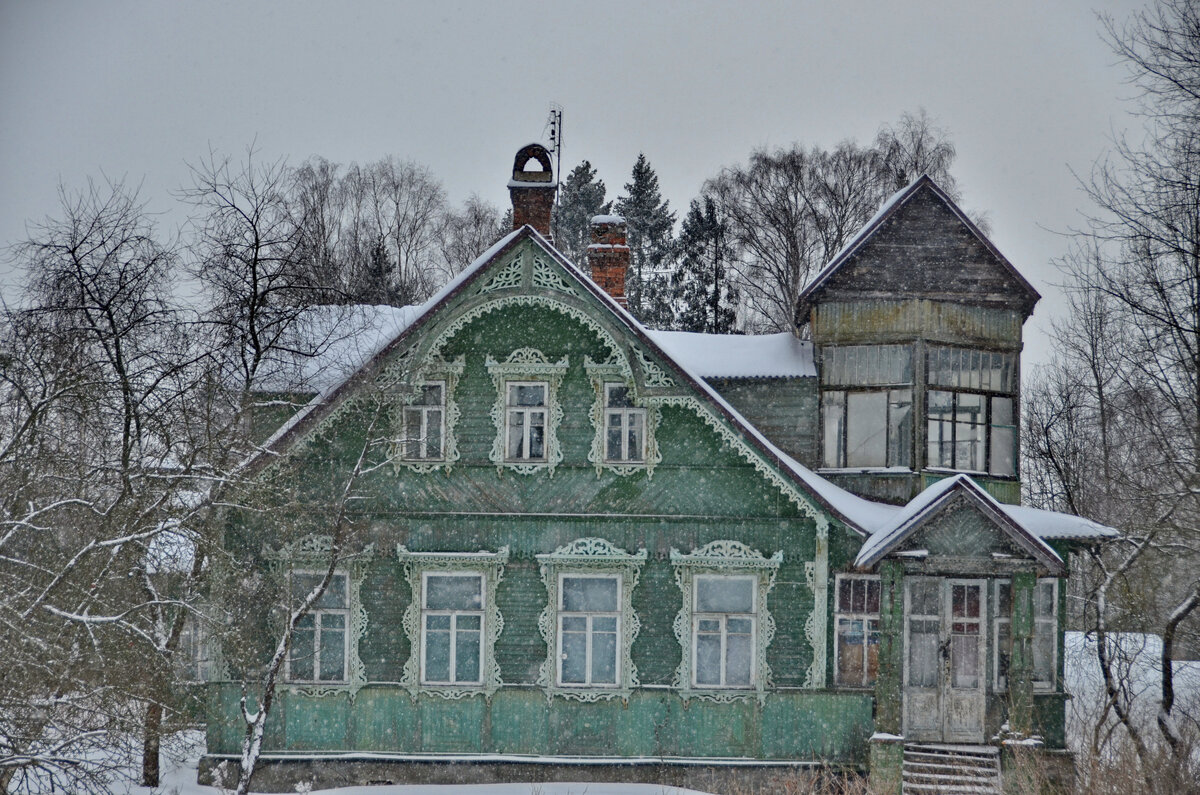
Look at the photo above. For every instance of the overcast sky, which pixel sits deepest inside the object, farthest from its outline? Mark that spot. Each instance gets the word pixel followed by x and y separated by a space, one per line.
pixel 135 91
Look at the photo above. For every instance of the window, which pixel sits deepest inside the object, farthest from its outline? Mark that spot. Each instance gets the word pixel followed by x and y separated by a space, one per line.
pixel 866 406
pixel 857 635
pixel 425 423
pixel 525 421
pixel 319 650
pixel 452 617
pixel 1045 633
pixel 192 655
pixel 723 625
pixel 624 426
pixel 589 624
pixel 971 411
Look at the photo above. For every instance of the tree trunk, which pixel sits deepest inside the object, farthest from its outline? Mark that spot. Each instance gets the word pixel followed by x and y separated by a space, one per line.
pixel 151 742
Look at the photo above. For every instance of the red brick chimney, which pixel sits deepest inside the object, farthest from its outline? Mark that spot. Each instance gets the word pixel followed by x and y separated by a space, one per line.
pixel 608 255
pixel 533 192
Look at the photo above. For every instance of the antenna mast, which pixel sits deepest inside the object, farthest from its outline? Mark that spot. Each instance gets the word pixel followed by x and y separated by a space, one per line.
pixel 554 124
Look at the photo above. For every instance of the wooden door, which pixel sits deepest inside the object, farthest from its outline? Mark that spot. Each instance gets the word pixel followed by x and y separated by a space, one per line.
pixel 945 649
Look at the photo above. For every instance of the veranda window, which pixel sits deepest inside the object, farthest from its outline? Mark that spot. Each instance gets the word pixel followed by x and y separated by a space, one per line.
pixel 971 411
pixel 589 626
pixel 866 406
pixel 318 650
pixel 857 622
pixel 723 626
pixel 425 423
pixel 624 426
pixel 525 419
pixel 1045 633
pixel 452 628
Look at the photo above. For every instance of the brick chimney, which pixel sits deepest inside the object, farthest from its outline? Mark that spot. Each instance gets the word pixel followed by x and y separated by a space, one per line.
pixel 532 192
pixel 608 255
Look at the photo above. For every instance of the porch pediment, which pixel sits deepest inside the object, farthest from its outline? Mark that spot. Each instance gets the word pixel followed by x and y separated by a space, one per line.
pixel 954 525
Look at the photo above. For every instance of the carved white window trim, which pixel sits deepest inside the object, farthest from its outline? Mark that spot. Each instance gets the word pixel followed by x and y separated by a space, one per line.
pixel 448 373
pixel 311 555
pixel 416 566
pixel 724 557
pixel 601 375
pixel 527 364
pixel 588 556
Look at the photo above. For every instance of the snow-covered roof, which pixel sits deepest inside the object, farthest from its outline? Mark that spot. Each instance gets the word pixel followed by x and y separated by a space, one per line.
pixel 739 355
pixel 908 518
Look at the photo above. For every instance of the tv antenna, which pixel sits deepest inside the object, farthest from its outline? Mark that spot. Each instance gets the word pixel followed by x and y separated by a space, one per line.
pixel 553 131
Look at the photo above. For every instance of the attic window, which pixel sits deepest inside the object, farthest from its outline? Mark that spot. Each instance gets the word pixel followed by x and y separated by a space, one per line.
pixel 425 423
pixel 866 406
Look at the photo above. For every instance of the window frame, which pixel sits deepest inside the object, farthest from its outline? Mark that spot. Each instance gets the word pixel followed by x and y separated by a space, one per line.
pixel 1000 686
pixel 561 612
pixel 866 616
pixel 724 617
pixel 423 410
pixel 511 409
pixel 317 613
pixel 454 614
pixel 625 413
pixel 899 442
pixel 988 393
pixel 526 366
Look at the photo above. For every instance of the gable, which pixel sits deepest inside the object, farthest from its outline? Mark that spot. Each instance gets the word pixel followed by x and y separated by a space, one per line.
pixel 922 246
pixel 523 300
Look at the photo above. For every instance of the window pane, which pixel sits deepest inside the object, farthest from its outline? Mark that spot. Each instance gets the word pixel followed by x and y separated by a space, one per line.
pixel 1043 599
pixel 430 395
pixel 334 596
pixel 574 623
pixel 850 652
pixel 708 659
pixel 872 651
pixel 739 626
pixel 1043 655
pixel 466 650
pixel 412 433
pixel 940 429
pixel 438 623
pixel 433 434
pixel 574 662
pixel 923 597
pixel 738 657
pixel 1004 599
pixel 1003 652
pixel 969 432
pixel 589 594
pixel 964 660
pixel 845 588
pixel 900 428
pixel 634 446
pixel 527 394
pixel 333 653
pixel 872 595
pixel 453 592
pixel 604 656
pixel 516 434
pixel 724 595
pixel 302 656
pixel 965 601
pixel 834 418
pixel 613 439
pixel 1004 443
pixel 923 653
pixel 537 446
pixel 618 396
pixel 866 429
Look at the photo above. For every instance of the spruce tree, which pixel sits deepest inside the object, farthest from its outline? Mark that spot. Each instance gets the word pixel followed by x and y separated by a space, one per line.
pixel 705 296
pixel 581 198
pixel 651 225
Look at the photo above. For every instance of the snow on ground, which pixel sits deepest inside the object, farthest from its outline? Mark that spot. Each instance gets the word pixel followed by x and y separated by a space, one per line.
pixel 1138 662
pixel 179 778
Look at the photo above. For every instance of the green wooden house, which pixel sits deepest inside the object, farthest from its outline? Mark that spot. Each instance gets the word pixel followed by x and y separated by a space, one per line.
pixel 593 551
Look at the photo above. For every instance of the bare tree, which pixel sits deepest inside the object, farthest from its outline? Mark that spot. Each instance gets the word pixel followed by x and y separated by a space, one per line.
pixel 1131 356
pixel 467 233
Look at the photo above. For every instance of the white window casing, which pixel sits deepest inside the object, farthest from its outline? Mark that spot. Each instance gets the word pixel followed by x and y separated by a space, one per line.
pixel 588 623
pixel 715 621
pixel 527 411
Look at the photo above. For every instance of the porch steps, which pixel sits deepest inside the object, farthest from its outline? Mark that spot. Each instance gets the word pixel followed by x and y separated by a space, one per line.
pixel 951 770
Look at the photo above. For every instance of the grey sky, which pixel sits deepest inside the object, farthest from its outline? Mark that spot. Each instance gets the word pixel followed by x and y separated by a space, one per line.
pixel 136 90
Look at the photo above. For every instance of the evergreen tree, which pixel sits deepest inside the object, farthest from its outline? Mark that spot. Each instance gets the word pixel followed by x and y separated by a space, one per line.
pixel 705 296
pixel 651 226
pixel 582 197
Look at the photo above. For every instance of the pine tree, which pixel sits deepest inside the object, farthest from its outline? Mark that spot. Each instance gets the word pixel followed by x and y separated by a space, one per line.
pixel 705 296
pixel 651 225
pixel 582 197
